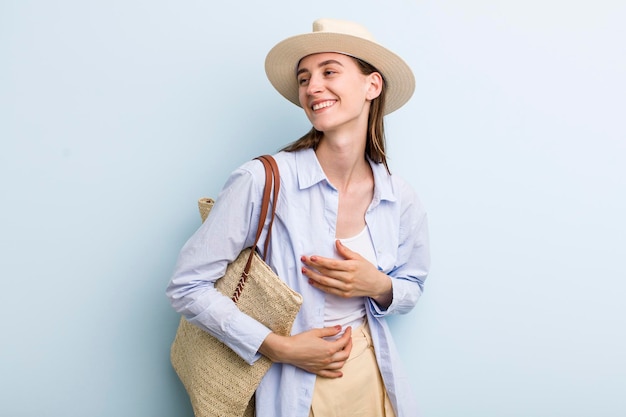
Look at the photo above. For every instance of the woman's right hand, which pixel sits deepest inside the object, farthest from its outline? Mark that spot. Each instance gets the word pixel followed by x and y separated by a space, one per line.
pixel 310 351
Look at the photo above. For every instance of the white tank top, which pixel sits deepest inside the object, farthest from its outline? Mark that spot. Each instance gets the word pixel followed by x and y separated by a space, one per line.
pixel 350 311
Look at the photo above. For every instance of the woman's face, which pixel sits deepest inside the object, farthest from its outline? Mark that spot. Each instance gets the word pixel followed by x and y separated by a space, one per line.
pixel 334 93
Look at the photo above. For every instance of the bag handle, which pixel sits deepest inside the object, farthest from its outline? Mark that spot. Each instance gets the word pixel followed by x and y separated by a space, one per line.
pixel 272 177
pixel 276 181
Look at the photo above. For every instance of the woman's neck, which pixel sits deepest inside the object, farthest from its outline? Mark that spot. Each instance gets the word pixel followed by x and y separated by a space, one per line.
pixel 343 160
pixel 347 169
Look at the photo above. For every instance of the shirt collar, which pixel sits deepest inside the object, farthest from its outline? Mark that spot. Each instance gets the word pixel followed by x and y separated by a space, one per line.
pixel 309 169
pixel 310 173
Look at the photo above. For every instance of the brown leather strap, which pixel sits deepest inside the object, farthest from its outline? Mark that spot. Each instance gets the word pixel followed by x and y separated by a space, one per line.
pixel 276 178
pixel 271 178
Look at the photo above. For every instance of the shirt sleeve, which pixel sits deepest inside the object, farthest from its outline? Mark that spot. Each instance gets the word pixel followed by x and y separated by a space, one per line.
pixel 412 258
pixel 229 228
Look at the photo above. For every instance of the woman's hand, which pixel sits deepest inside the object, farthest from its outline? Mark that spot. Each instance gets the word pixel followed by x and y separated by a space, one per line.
pixel 310 351
pixel 354 276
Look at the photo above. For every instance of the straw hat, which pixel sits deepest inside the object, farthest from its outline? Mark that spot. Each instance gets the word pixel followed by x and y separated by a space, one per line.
pixel 349 38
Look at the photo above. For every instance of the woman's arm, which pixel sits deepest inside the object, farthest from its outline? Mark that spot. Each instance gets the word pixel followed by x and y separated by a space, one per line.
pixel 310 351
pixel 229 228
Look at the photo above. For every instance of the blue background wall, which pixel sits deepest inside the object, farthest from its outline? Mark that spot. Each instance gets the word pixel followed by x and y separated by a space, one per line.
pixel 116 116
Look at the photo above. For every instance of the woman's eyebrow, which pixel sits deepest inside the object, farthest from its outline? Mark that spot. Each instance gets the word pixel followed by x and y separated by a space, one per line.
pixel 321 64
pixel 330 61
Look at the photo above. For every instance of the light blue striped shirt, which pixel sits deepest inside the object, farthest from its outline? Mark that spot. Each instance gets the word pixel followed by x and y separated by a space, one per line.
pixel 305 225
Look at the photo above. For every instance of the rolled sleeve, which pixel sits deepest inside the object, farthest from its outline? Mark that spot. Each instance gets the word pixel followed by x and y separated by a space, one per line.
pixel 405 296
pixel 243 334
pixel 412 262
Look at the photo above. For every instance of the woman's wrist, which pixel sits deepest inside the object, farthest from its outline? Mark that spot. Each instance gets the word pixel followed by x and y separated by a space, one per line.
pixel 273 347
pixel 384 297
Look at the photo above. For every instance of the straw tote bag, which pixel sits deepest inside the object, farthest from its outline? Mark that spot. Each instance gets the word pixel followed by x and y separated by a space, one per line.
pixel 218 381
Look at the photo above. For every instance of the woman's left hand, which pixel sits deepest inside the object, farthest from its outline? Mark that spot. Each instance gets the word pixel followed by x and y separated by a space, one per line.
pixel 353 276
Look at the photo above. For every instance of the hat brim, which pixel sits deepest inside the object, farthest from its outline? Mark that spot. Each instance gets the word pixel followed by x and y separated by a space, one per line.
pixel 282 59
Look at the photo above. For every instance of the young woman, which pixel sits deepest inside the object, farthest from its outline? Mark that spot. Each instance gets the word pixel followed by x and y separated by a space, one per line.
pixel 349 236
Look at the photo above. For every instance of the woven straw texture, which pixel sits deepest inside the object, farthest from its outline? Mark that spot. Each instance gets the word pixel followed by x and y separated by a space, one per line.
pixel 218 381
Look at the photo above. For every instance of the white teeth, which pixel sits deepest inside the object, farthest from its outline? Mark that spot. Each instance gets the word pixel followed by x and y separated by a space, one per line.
pixel 323 105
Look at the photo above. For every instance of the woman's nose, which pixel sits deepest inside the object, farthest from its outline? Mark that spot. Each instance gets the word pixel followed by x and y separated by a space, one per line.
pixel 315 85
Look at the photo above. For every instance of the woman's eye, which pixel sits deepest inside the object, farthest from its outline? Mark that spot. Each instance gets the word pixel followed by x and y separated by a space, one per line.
pixel 303 81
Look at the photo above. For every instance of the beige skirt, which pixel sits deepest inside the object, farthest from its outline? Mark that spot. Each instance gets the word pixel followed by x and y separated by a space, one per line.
pixel 360 391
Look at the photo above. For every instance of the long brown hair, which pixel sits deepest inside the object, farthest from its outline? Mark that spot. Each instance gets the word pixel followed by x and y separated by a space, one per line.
pixel 375 143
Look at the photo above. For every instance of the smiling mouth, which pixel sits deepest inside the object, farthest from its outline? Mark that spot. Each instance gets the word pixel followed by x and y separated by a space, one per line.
pixel 322 105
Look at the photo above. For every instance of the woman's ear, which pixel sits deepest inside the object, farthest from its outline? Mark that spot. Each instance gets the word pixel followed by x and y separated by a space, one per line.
pixel 375 86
